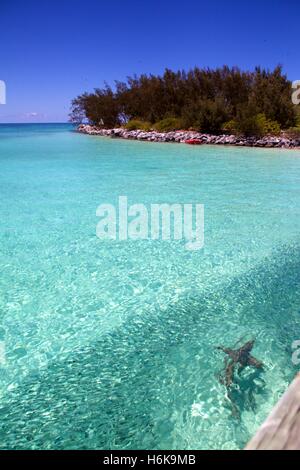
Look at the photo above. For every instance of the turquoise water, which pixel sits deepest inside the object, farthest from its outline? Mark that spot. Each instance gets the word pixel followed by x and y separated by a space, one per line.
pixel 112 344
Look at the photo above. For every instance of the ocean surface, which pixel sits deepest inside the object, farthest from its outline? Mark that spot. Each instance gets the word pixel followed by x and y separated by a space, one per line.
pixel 113 344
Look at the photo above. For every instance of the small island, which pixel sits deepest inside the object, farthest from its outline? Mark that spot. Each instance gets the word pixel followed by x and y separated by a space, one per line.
pixel 225 106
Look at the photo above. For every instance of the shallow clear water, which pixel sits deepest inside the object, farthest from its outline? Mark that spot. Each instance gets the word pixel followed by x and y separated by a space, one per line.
pixel 113 344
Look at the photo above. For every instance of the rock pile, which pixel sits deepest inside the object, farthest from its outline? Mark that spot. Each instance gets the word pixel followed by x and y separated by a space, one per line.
pixel 182 136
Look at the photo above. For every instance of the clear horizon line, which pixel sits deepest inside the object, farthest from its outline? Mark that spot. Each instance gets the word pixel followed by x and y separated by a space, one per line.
pixel 34 122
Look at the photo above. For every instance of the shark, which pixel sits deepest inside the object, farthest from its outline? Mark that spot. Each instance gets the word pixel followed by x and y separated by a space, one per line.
pixel 239 358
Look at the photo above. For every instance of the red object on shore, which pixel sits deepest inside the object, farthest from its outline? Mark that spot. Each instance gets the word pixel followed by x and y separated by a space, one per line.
pixel 193 142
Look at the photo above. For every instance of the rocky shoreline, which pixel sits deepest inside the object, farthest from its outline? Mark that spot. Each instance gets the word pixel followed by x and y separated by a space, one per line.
pixel 182 136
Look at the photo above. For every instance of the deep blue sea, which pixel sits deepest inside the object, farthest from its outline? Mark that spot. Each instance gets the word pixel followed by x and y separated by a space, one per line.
pixel 111 344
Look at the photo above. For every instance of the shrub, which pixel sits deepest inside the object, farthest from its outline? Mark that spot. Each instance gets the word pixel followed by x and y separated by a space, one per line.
pixel 257 126
pixel 230 127
pixel 293 132
pixel 135 124
pixel 168 125
pixel 270 127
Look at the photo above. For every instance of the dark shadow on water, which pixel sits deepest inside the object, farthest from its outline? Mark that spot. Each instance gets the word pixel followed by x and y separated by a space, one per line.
pixel 243 393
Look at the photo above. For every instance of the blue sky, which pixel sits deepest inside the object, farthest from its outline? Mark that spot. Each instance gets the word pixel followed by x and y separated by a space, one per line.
pixel 51 51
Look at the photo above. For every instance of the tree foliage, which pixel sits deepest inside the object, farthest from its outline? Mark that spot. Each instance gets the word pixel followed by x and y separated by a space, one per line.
pixel 137 124
pixel 201 99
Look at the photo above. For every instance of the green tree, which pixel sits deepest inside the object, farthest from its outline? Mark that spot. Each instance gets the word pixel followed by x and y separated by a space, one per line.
pixel 201 99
